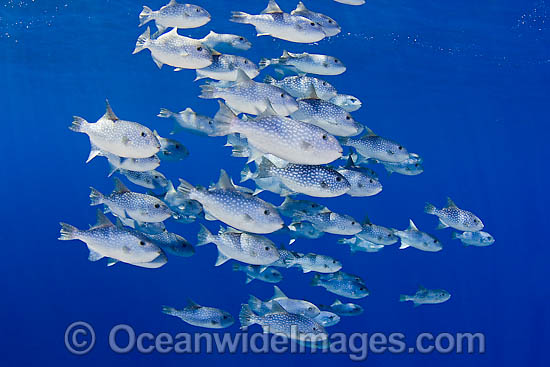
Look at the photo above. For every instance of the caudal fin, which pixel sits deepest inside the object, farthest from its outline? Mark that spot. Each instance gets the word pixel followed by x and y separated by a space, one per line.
pixel 78 124
pixel 246 316
pixel 145 16
pixel 240 17
pixel 264 63
pixel 164 113
pixel 208 91
pixel 316 279
pixel 430 208
pixel 142 41
pixel 96 198
pixel 246 174
pixel 403 298
pixel 185 188
pixel 169 310
pixel 269 79
pixel 67 232
pixel 204 236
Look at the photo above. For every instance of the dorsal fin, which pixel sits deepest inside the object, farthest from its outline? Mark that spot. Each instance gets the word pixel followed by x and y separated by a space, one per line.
pixel 188 110
pixel 277 308
pixel 172 2
pixel 412 225
pixel 285 55
pixel 102 221
pixel 450 203
pixel 421 287
pixel 278 293
pixel 120 187
pixel 224 181
pixel 369 132
pixel 269 111
pixel 337 302
pixel 350 163
pixel 119 223
pixel 156 134
pixel 211 33
pixel 109 114
pixel 300 7
pixel 215 53
pixel 311 92
pixel 242 77
pixel 366 220
pixel 333 216
pixel 272 8
pixel 191 304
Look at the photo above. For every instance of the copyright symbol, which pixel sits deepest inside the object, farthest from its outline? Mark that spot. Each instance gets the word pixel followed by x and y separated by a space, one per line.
pixel 79 338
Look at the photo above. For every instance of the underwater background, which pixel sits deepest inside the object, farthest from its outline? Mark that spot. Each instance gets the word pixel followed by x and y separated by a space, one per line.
pixel 464 84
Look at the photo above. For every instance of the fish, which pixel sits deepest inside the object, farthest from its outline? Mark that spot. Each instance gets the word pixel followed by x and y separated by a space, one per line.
pixel 329 25
pixel 237 209
pixel 153 180
pixel 351 2
pixel 175 15
pixel 371 145
pixel 358 244
pixel 343 309
pixel 312 180
pixel 175 50
pixel 342 275
pixel 331 222
pixel 277 24
pixel 454 217
pixel 201 316
pixel 127 204
pixel 105 239
pixel 170 149
pixel 299 86
pixel 285 138
pixel 143 227
pixel 285 257
pixel 318 263
pixel 306 63
pixel 297 230
pixel 226 42
pixel 172 244
pixel 248 96
pixel 295 306
pixel 126 139
pixel 329 117
pixel 245 247
pixel 327 318
pixel 426 296
pixel 479 239
pixel 184 209
pixel 341 286
pixel 377 234
pixel 347 102
pixel 158 262
pixel 414 238
pixel 226 67
pixel 409 167
pixel 281 322
pixel 133 164
pixel 190 121
pixel 289 207
pixel 361 183
pixel 252 272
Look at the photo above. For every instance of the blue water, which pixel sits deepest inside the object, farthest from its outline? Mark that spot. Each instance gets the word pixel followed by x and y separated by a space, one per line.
pixel 464 84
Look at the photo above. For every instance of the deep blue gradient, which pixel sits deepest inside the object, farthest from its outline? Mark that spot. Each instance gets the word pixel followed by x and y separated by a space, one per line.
pixel 463 83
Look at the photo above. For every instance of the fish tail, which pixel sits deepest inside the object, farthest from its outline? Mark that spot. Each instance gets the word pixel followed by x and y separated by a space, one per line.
pixel 455 235
pixel 316 280
pixel 208 91
pixel 255 304
pixel 429 208
pixel 240 17
pixel 112 169
pixel 204 236
pixel 78 124
pixel 265 168
pixel 185 188
pixel 343 140
pixel 169 310
pixel 142 41
pixel 246 174
pixel 240 151
pixel 247 317
pixel 96 198
pixel 165 113
pixel 67 232
pixel 236 266
pixel 269 79
pixel 223 120
pixel 146 15
pixel 403 298
pixel 264 63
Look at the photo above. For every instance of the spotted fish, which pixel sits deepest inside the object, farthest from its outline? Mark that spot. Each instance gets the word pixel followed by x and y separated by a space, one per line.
pixel 197 315
pixel 453 216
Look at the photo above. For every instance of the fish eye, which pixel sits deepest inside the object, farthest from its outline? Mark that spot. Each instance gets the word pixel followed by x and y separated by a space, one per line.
pixel 313 24
pixel 209 122
pixel 141 243
pixel 143 133
pixel 198 10
pixel 310 308
pixel 266 212
pixel 199 48
pixel 246 61
pixel 331 317
pixel 330 21
pixel 325 137
pixel 157 206
pixel 353 223
pixel 353 100
pixel 214 322
pixel 400 147
pixel 314 328
pixel 334 261
pixel 225 317
pixel 324 83
pixel 156 176
pixel 282 95
pixel 435 241
pixel 348 117
pixel 371 180
pixel 267 248
pixel 475 220
pixel 336 61
pixel 177 146
pixel 389 234
pixel 183 245
pixel 338 179
pixel 416 164
pixel 241 38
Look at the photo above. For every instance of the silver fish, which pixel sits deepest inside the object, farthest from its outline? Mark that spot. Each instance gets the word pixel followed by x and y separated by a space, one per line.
pixel 170 149
pixel 272 21
pixel 341 286
pixel 252 272
pixel 285 257
pixel 281 322
pixel 285 138
pixel 190 121
pixel 342 275
pixel 197 315
pixel 409 167
pixel 248 96
pixel 329 25
pixel 244 247
pixel 175 50
pixel 226 42
pixel 377 234
pixel 317 263
pixel 107 240
pixel 327 318
pixel 143 227
pixel 175 15
pixel 233 207
pixel 359 244
pixel 299 86
pixel 331 222
pixel 479 239
pixel 307 63
pixel 153 180
pixel 426 296
pixel 351 2
pixel 453 216
pixel 301 230
pixel 414 238
pixel 125 139
pixel 377 147
pixel 289 207
pixel 184 209
pixel 295 306
pixel 343 309
pixel 362 183
pixel 226 67
pixel 347 102
pixel 133 164
pixel 172 244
